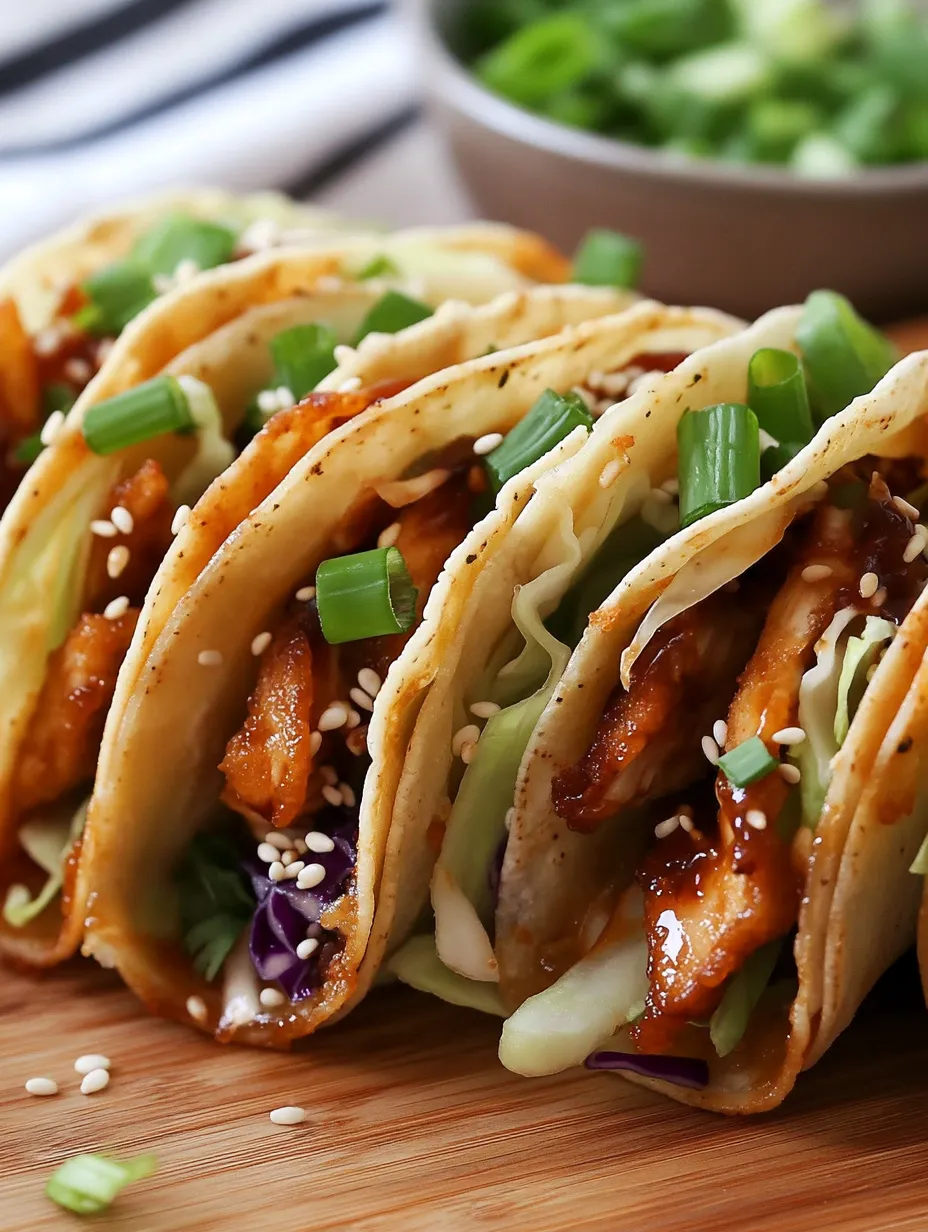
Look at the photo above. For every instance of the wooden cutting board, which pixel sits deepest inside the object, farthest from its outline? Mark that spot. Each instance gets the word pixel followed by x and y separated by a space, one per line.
pixel 413 1125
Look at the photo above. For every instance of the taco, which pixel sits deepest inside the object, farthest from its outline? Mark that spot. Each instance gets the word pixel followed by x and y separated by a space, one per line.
pixel 283 694
pixel 107 500
pixel 706 863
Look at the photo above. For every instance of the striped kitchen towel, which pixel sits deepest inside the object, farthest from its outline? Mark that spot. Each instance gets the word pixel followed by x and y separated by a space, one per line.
pixel 106 99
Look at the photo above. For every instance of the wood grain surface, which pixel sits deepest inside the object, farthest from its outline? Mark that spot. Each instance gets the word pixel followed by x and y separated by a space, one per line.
pixel 414 1125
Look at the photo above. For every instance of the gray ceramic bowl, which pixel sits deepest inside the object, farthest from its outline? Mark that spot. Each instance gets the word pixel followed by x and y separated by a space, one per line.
pixel 740 238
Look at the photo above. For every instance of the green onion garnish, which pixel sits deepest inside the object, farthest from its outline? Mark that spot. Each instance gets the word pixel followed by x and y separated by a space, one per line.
pixel 87 1184
pixel 393 312
pixel 553 417
pixel 747 762
pixel 718 453
pixel 380 266
pixel 778 397
pixel 367 594
pixel 844 356
pixel 215 905
pixel 26 452
pixel 182 238
pixel 542 59
pixel 117 293
pixel 608 259
pixel 303 355
pixel 151 409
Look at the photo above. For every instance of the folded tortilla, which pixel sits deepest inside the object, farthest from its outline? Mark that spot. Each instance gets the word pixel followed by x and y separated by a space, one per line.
pixel 312 739
pixel 84 537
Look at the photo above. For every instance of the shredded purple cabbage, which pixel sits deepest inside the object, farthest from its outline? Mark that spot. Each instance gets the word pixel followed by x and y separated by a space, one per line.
pixel 681 1071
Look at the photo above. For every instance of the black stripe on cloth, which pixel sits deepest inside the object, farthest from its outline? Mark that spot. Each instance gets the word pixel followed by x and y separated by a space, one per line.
pixel 337 163
pixel 82 40
pixel 295 40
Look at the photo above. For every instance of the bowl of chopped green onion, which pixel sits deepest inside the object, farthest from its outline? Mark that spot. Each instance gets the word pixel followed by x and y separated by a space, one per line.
pixel 758 148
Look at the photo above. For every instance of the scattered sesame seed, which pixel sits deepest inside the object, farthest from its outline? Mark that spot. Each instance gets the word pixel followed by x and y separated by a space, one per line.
pixel 660 496
pixel 332 795
pixel 792 774
pixel 116 608
pixel 271 997
pixel 289 1115
pixel 610 473
pixel 315 743
pixel 277 871
pixel 353 719
pixel 196 1008
pixel 310 877
pixel 47 341
pixel 905 507
pixel 95 1081
pixel 210 658
pixel 914 547
pixel 484 710
pixel 287 857
pixel 869 584
pixel 487 443
pixel 300 846
pixel 711 750
pixel 344 353
pixel 464 735
pixel 360 698
pixel 260 643
pixel 664 828
pixel 307 948
pixel 51 427
pixel 103 528
pixel 91 1061
pixel 78 370
pixel 756 819
pixel 348 796
pixel 305 593
pixel 267 853
pixel 285 398
pixel 294 868
pixel 181 514
pixel 788 735
pixel 329 775
pixel 468 749
pixel 274 838
pixel 686 823
pixel 880 597
pixel 186 270
pixel 720 732
pixel 122 519
pixel 267 401
pixel 509 818
pixel 816 573
pixel 42 1086
pixel 117 560
pixel 349 385
pixel 389 536
pixel 333 717
pixel 319 843
pixel 369 681
pixel 671 485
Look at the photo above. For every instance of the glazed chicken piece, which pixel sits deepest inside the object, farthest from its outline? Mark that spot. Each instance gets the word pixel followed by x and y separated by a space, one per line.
pixel 146 497
pixel 60 748
pixel 19 378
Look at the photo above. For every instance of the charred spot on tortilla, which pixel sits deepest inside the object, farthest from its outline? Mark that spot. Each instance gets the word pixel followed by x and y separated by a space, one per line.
pixel 503 379
pixel 904 745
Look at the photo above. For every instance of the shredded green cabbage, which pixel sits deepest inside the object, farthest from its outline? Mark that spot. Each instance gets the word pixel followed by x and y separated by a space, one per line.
pixel 214 452
pixel 47 842
pixel 418 965
pixel 860 654
pixel 742 992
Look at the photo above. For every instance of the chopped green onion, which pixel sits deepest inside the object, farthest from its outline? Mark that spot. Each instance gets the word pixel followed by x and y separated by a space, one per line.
pixel 57 397
pixel 87 1184
pixel 392 312
pixel 380 266
pixel 777 395
pixel 608 259
pixel 742 993
pixel 151 409
pixel 26 452
pixel 718 458
pixel 844 356
pixel 303 355
pixel 215 905
pixel 747 762
pixel 182 238
pixel 367 594
pixel 117 293
pixel 775 457
pixel 541 59
pixel 551 419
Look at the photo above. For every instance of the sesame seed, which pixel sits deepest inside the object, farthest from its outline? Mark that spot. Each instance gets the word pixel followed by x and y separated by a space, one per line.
pixel 332 795
pixel 880 597
pixel 305 593
pixel 369 681
pixel 360 698
pixel 905 507
pixel 95 1081
pixel 315 743
pixel 41 1086
pixel 196 1008
pixel 186 270
pixel 468 749
pixel 344 353
pixel 103 528
pixel 267 853
pixel 260 643
pixel 300 846
pixel 756 819
pixel 91 1061
pixel 816 573
pixel 350 385
pixel 311 876
pixel 181 514
pixel 282 842
pixel 51 427
pixel 47 341
pixel 294 868
pixel 116 608
pixel 389 536
pixel 671 485
pixel 792 774
pixel 484 710
pixel 271 997
pixel 333 717
pixel 307 948
pixel 353 719
pixel 277 871
pixel 914 547
pixel 117 560
pixel 285 398
pixel 868 585
pixel 318 842
pixel 122 519
pixel 78 370
pixel 289 1115
pixel 465 735
pixel 660 496
pixel 267 401
pixel 509 818
pixel 720 732
pixel 711 750
pixel 664 828
pixel 788 735
pixel 328 775
pixel 610 473
pixel 210 658
pixel 348 796
pixel 487 443
pixel 287 857
pixel 686 823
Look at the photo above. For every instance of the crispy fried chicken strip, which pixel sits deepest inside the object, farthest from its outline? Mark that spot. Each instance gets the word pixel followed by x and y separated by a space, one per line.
pixel 145 495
